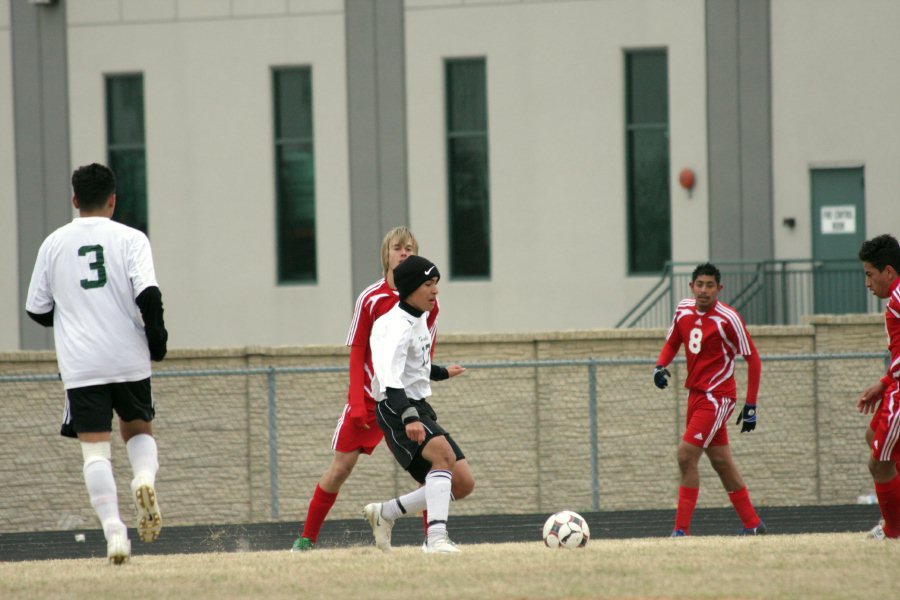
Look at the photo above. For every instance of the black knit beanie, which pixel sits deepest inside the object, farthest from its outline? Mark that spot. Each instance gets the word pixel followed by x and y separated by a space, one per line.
pixel 413 272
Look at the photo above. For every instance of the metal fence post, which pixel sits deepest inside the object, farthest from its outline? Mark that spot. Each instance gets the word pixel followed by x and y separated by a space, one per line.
pixel 595 450
pixel 784 294
pixel 817 431
pixel 273 446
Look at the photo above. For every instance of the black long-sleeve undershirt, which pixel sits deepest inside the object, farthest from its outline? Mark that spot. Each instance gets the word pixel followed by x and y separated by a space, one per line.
pixel 150 303
pixel 45 319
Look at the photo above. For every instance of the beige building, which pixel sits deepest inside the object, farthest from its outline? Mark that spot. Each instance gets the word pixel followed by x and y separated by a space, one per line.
pixel 534 146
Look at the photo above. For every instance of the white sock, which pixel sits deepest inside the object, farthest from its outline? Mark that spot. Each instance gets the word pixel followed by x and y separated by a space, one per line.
pixel 408 504
pixel 101 487
pixel 143 456
pixel 437 493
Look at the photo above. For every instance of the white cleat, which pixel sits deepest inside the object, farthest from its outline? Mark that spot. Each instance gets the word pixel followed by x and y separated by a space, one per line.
pixel 381 527
pixel 877 532
pixel 441 545
pixel 149 518
pixel 118 548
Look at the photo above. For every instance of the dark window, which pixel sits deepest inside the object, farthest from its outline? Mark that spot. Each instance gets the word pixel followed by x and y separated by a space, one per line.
pixel 467 168
pixel 127 152
pixel 647 147
pixel 295 175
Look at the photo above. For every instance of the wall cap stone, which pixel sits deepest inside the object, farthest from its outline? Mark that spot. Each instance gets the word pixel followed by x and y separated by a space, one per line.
pixel 324 350
pixel 868 319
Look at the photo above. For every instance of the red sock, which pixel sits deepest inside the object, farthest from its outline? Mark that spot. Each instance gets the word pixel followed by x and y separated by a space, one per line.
pixel 889 502
pixel 741 501
pixel 425 521
pixel 687 500
pixel 319 506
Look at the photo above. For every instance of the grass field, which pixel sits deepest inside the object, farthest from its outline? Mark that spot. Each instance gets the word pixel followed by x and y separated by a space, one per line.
pixel 779 566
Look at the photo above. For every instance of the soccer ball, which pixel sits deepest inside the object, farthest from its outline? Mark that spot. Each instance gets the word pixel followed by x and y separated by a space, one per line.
pixel 566 529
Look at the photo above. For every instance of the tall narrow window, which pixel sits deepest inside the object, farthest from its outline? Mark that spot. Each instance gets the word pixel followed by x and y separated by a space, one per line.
pixel 647 141
pixel 467 168
pixel 295 175
pixel 126 148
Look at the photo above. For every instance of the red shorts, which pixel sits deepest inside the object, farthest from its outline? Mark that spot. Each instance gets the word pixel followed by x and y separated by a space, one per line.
pixel 350 438
pixel 886 425
pixel 706 418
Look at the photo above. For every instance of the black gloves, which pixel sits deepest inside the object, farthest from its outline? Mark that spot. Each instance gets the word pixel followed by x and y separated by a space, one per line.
pixel 661 377
pixel 748 415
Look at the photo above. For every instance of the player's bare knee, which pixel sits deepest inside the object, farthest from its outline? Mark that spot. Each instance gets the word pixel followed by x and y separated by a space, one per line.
pixel 720 464
pixel 444 460
pixel 462 486
pixel 687 460
pixel 439 453
pixel 337 475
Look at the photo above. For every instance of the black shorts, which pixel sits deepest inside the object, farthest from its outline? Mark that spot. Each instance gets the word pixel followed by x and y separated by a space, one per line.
pixel 407 452
pixel 89 409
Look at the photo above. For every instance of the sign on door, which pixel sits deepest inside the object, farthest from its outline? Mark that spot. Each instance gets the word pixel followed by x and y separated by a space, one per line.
pixel 838 219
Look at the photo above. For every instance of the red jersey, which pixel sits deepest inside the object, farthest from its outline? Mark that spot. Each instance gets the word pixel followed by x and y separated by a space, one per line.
pixel 892 326
pixel 373 302
pixel 711 339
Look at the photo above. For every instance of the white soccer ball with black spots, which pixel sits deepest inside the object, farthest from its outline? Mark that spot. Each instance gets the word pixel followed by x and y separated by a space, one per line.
pixel 566 529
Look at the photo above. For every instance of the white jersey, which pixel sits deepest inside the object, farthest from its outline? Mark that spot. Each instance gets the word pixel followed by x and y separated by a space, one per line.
pixel 89 273
pixel 401 354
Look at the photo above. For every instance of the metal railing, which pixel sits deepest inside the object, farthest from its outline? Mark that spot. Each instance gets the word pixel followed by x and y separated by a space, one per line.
pixel 769 292
pixel 567 426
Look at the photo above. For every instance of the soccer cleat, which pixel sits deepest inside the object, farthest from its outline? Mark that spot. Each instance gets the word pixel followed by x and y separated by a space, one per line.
pixel 118 548
pixel 758 530
pixel 301 544
pixel 440 545
pixel 149 518
pixel 381 527
pixel 877 532
pixel 678 533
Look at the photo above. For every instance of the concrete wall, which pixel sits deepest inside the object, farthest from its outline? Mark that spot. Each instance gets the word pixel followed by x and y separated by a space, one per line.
pixel 524 430
pixel 555 73
pixel 833 104
pixel 210 168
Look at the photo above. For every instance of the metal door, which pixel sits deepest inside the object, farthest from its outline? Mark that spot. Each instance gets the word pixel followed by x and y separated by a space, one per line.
pixel 839 229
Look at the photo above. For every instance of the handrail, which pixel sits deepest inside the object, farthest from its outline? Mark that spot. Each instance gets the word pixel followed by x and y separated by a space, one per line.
pixel 772 291
pixel 665 276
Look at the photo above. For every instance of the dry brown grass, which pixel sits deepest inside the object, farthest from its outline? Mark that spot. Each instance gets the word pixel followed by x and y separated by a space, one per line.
pixel 800 566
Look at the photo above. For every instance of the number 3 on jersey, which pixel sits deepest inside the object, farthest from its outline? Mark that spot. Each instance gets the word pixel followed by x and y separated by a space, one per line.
pixel 694 340
pixel 97 265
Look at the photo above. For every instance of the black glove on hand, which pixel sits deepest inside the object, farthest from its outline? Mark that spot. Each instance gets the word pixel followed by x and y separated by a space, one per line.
pixel 661 377
pixel 748 415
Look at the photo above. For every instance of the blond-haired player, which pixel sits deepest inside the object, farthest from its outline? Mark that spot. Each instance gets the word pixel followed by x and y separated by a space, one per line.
pixel 357 431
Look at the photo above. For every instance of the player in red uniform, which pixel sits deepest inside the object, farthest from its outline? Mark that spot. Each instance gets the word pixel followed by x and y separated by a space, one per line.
pixel 713 333
pixel 357 430
pixel 881 262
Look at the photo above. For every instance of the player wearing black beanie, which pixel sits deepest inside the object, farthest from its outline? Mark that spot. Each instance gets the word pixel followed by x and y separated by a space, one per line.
pixel 413 272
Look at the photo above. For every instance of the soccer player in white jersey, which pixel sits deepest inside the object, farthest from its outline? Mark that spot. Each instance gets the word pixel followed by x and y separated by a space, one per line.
pixel 401 357
pixel 94 283
pixel 713 333
pixel 357 431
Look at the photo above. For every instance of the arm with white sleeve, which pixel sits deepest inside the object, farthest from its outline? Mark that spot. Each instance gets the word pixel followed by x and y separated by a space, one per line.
pixel 39 304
